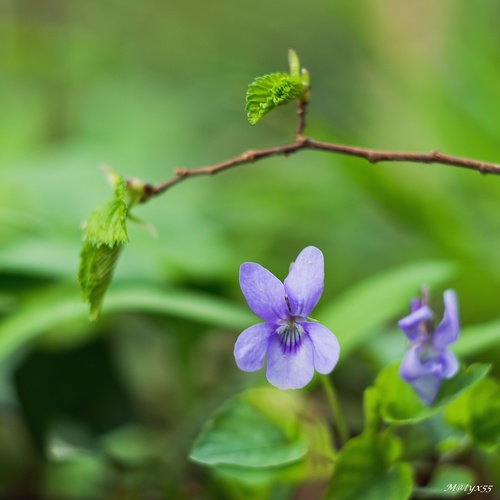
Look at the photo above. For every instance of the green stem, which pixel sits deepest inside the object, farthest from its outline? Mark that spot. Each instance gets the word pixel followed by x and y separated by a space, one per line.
pixel 338 418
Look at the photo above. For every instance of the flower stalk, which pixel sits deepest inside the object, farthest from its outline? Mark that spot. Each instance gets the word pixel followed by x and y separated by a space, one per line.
pixel 338 417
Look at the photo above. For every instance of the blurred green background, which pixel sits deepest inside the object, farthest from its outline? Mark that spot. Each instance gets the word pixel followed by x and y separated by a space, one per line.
pixel 109 409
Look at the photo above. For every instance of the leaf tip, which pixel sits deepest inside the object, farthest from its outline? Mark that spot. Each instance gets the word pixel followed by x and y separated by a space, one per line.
pixel 293 62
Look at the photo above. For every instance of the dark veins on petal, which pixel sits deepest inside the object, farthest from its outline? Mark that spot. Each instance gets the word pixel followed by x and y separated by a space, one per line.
pixel 290 334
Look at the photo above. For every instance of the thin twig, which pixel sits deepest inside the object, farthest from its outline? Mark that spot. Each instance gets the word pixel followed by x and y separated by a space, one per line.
pixel 301 142
pixel 375 156
pixel 301 122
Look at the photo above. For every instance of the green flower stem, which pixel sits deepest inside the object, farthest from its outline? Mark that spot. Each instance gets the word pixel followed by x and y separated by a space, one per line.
pixel 338 418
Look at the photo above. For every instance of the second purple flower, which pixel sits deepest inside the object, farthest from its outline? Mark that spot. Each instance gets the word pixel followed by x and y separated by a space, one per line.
pixel 428 361
pixel 295 346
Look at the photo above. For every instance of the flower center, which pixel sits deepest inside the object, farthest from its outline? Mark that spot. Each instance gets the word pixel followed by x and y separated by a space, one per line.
pixel 427 353
pixel 290 335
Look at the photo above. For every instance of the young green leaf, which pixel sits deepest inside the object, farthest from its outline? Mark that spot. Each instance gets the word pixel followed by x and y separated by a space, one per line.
pixel 97 264
pixel 270 91
pixel 106 232
pixel 294 63
pixel 107 225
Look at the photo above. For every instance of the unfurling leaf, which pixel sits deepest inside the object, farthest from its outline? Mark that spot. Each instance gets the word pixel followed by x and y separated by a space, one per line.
pixel 293 62
pixel 267 92
pixel 105 235
pixel 108 224
pixel 97 264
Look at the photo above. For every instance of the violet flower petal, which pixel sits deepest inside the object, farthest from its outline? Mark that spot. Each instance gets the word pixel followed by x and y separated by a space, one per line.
pixel 426 377
pixel 290 370
pixel 264 292
pixel 447 331
pixel 411 366
pixel 326 348
pixel 427 387
pixel 251 346
pixel 305 281
pixel 449 363
pixel 411 323
pixel 415 304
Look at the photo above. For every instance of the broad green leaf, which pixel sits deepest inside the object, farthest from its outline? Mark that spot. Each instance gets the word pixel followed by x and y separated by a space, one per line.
pixel 54 307
pixel 454 387
pixel 368 467
pixel 255 479
pixel 190 305
pixel 269 91
pixel 371 408
pixel 97 264
pixel 457 414
pixel 242 434
pixel 444 481
pixel 51 257
pixel 47 309
pixel 265 436
pixel 355 315
pixel 399 403
pixel 477 338
pixel 477 412
pixel 316 465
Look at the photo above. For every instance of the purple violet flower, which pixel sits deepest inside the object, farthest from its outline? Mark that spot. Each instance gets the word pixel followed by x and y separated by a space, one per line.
pixel 295 347
pixel 428 361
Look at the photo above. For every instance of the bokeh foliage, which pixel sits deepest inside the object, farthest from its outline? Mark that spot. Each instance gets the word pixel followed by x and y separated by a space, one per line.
pixel 111 408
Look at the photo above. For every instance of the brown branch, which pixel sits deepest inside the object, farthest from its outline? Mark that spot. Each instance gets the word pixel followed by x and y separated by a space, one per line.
pixel 301 122
pixel 301 142
pixel 375 156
